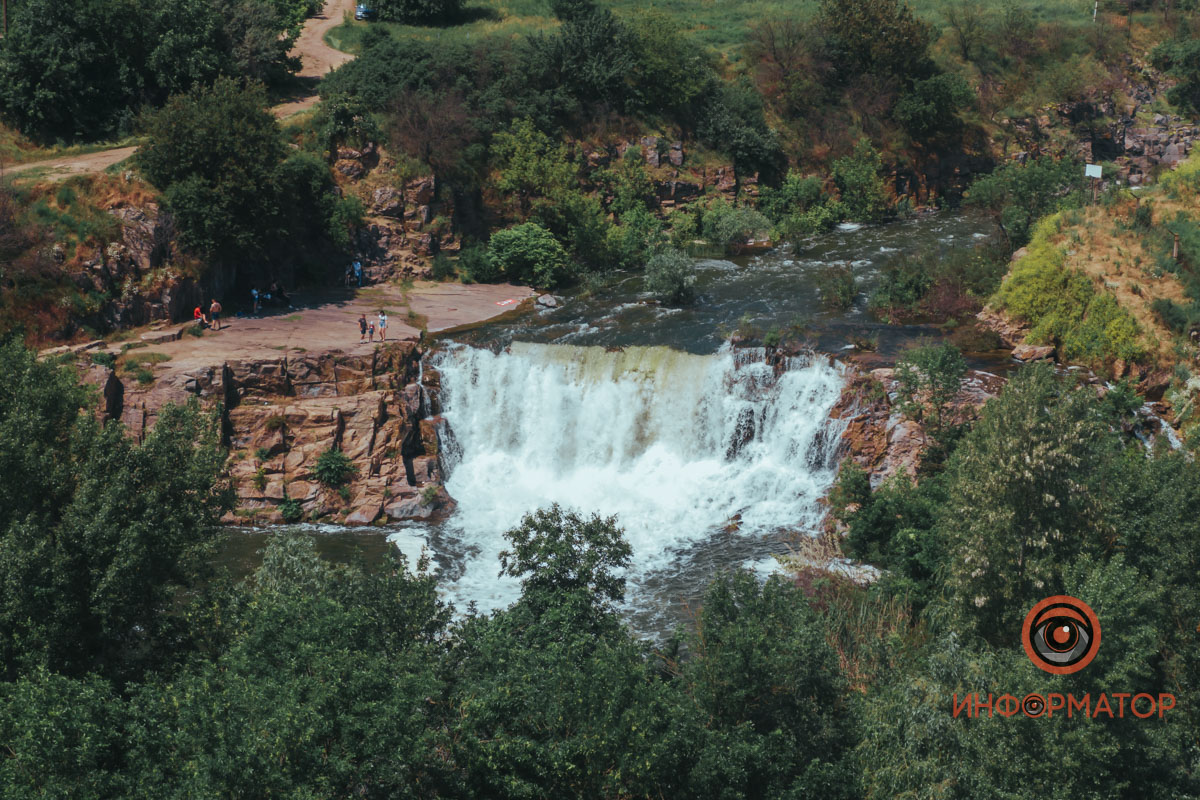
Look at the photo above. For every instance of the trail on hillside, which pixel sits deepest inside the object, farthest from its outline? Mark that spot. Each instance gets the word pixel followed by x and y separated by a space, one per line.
pixel 316 56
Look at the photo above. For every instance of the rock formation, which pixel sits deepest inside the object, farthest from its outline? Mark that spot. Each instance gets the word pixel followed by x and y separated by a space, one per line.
pixel 280 415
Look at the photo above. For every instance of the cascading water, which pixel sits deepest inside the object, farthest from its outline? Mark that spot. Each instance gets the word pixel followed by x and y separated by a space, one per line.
pixel 702 459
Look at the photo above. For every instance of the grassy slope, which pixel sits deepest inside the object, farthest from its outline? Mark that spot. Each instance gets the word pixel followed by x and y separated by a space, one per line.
pixel 1128 262
pixel 723 25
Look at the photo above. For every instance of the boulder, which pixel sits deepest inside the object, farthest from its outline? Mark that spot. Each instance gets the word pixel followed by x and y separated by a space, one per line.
pixel 1031 352
pixel 365 510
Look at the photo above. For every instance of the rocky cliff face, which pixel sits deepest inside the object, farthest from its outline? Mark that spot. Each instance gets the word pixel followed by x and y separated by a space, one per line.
pixel 280 415
pixel 883 441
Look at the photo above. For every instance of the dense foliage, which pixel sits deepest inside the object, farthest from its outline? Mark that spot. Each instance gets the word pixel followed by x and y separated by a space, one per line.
pixel 238 196
pixel 81 70
pixel 325 681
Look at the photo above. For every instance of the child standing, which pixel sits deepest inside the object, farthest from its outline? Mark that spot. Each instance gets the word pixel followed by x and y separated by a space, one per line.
pixel 362 328
pixel 371 332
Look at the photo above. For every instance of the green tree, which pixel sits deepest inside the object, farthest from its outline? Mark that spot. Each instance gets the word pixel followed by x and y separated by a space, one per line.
pixel 932 105
pixel 671 276
pixel 531 164
pixel 69 70
pixel 1017 195
pixel 876 37
pixel 215 152
pixel 324 690
pixel 1026 498
pixel 930 377
pixel 529 253
pixel 776 712
pixel 418 12
pixel 1180 58
pixel 862 190
pixel 553 697
pixel 556 551
pixel 94 557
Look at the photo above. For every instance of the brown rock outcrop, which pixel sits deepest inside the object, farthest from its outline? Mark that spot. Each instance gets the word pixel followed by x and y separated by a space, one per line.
pixel 281 414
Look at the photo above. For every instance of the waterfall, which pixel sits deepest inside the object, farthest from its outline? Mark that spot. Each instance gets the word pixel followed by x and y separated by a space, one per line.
pixel 680 448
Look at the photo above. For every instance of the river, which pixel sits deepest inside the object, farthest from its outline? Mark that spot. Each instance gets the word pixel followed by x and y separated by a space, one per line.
pixel 614 405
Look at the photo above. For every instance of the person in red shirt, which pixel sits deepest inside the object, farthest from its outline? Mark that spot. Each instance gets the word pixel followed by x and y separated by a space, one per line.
pixel 198 316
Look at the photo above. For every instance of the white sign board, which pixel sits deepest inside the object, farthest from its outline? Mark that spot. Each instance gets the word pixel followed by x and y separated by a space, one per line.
pixel 1092 170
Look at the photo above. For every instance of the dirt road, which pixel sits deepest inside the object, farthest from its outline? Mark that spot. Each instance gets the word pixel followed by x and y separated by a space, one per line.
pixel 317 58
pixel 74 165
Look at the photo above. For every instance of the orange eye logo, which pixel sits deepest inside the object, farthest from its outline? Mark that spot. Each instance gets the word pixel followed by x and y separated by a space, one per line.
pixel 1061 634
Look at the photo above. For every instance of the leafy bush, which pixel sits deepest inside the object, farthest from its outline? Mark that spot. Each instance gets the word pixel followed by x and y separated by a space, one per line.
pixel 477 265
pixel 1017 195
pixel 530 254
pixel 443 268
pixel 795 195
pixel 416 12
pixel 1177 318
pixel 931 106
pixel 929 377
pixel 334 468
pixel 838 286
pixel 862 189
pixel 291 511
pixel 670 276
pixel 104 359
pixel 732 227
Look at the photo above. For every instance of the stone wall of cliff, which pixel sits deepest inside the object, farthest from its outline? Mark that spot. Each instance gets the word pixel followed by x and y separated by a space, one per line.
pixel 280 415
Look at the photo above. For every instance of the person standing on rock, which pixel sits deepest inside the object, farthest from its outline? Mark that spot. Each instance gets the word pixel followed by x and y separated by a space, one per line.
pixel 358 275
pixel 254 300
pixel 382 325
pixel 362 328
pixel 214 315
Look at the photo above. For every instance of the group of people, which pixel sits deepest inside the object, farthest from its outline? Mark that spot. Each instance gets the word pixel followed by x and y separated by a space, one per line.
pixel 354 274
pixel 276 294
pixel 367 329
pixel 210 320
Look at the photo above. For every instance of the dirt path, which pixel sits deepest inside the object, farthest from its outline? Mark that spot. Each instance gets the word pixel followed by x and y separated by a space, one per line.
pixel 58 168
pixel 317 58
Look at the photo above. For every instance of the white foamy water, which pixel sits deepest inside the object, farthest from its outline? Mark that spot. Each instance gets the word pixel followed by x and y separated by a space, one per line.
pixel 678 447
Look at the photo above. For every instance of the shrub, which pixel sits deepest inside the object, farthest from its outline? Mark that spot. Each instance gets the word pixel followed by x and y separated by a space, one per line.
pixel 418 12
pixel 260 479
pixel 931 107
pixel 529 253
pixel 104 359
pixel 443 268
pixel 929 377
pixel 429 495
pixel 862 189
pixel 795 195
pixel 334 468
pixel 670 276
pixel 262 454
pixel 477 265
pixel 291 510
pixel 732 227
pixel 1063 306
pixel 275 422
pixel 838 287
